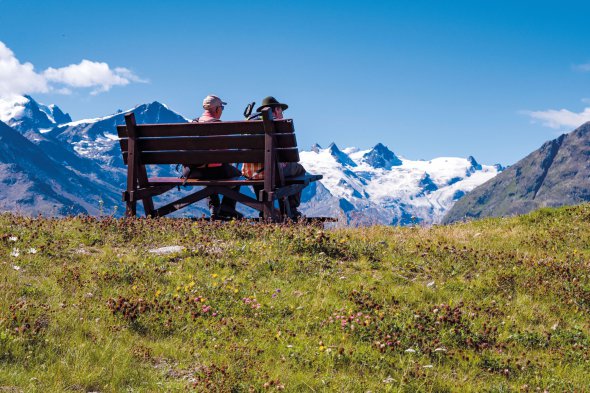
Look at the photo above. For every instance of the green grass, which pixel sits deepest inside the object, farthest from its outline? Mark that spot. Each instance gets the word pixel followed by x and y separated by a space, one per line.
pixel 495 305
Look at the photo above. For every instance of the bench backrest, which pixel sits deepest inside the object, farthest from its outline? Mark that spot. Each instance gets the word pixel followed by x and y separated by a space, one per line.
pixel 204 143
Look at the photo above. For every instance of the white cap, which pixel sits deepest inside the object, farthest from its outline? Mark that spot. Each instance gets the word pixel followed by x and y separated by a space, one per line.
pixel 212 101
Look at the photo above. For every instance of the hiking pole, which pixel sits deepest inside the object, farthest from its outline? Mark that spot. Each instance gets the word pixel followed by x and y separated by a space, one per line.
pixel 248 112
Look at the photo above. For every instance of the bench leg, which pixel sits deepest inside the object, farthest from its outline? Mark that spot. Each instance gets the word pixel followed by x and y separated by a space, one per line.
pixel 267 211
pixel 148 206
pixel 131 210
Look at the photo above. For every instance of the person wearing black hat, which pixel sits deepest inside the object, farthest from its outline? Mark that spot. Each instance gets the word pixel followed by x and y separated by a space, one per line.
pixel 290 169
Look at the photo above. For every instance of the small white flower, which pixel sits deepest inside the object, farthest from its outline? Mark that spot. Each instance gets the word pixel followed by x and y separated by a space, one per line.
pixel 430 284
pixel 32 250
pixel 428 366
pixel 410 350
pixel 13 238
pixel 440 350
pixel 17 268
pixel 15 252
pixel 289 346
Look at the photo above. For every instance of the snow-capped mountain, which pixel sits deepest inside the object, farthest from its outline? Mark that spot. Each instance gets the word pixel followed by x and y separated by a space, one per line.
pixel 23 113
pixel 97 138
pixel 360 186
pixel 376 186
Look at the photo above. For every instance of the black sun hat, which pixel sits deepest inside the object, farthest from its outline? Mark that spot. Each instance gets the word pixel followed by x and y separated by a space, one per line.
pixel 271 102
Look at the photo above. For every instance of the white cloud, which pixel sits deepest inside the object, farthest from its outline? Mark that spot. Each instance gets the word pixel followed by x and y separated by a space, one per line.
pixel 17 78
pixel 560 118
pixel 91 74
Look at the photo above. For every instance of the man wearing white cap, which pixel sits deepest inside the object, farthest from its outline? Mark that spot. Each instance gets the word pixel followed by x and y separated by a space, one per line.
pixel 213 107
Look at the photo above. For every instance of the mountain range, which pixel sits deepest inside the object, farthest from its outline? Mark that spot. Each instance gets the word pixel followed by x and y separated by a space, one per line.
pixel 54 166
pixel 556 174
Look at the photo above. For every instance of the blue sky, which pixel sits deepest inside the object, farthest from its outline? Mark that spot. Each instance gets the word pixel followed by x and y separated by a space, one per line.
pixel 492 79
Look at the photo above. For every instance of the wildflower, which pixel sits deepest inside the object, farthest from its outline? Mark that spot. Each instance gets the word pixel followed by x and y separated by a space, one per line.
pixel 158 292
pixel 410 350
pixel 17 268
pixel 12 238
pixel 428 366
pixel 440 350
pixel 214 275
pixel 32 250
pixel 15 252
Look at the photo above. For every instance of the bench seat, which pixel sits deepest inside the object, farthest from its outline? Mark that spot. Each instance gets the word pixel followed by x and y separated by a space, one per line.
pixel 233 182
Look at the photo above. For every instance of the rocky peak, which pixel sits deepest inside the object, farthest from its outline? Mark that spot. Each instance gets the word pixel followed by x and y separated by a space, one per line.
pixel 58 115
pixel 475 166
pixel 340 156
pixel 381 157
pixel 316 148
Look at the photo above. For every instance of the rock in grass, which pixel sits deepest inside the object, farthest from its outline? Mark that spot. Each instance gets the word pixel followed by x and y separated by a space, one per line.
pixel 166 250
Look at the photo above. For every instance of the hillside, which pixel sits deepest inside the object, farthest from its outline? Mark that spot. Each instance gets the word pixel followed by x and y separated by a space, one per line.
pixel 174 305
pixel 32 183
pixel 556 174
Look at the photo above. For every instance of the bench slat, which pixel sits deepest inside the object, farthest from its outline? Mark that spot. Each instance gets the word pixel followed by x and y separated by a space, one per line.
pixel 207 129
pixel 212 156
pixel 210 142
pixel 236 181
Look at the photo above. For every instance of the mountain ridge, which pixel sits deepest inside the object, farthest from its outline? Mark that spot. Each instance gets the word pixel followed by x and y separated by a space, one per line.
pixel 352 188
pixel 554 175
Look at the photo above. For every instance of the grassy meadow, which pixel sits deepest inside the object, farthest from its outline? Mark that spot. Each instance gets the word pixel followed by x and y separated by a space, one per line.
pixel 96 305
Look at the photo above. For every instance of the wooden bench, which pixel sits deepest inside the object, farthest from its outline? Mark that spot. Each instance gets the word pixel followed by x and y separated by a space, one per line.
pixel 268 141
